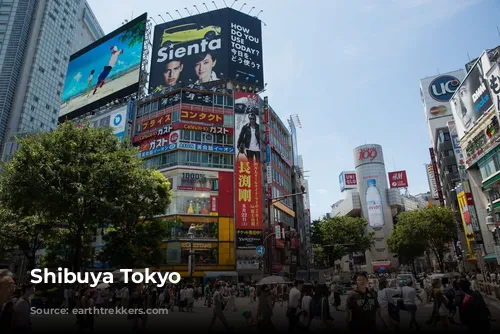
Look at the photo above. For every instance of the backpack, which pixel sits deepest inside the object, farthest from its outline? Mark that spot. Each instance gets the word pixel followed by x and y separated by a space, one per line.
pixel 316 307
pixel 466 301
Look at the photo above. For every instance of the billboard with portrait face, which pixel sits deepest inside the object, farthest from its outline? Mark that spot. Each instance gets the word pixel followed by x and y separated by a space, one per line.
pixel 205 48
pixel 106 70
pixel 248 187
pixel 472 99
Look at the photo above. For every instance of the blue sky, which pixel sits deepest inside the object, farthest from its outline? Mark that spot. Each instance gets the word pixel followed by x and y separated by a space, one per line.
pixel 95 59
pixel 351 71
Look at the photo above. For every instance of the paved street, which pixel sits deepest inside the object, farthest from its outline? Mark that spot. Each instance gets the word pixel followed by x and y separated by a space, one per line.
pixel 200 319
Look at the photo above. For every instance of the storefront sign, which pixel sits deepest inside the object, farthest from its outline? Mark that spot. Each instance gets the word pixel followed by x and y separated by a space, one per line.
pixel 202 117
pixel 206 128
pixel 206 147
pixel 199 245
pixel 156 122
pixel 197 180
pixel 280 243
pixel 213 205
pixel 436 175
pixel 249 239
pixel 154 143
pixel 369 153
pixel 398 179
pixel 158 150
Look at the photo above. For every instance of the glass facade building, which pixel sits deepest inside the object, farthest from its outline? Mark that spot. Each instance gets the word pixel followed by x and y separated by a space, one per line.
pixel 37 39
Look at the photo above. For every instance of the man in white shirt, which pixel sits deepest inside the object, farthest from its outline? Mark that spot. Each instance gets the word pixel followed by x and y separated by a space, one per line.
pixel 410 295
pixel 294 305
pixel 107 69
pixel 190 298
pixel 249 139
pixel 182 299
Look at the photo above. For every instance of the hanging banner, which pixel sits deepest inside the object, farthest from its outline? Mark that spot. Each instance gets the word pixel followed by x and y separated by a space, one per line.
pixel 248 165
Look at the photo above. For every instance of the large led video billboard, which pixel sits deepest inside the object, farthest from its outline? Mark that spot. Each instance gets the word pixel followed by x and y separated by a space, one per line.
pixel 107 69
pixel 204 48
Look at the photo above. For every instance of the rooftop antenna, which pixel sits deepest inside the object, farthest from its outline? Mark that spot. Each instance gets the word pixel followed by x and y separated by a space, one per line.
pixel 438 71
pixel 468 56
pixel 187 10
pixel 498 31
pixel 132 16
pixel 259 13
pixel 224 2
pixel 204 4
pixel 161 17
pixel 196 9
pixel 178 13
pixel 243 6
pixel 233 3
pixel 215 5
pixel 251 10
pixel 170 15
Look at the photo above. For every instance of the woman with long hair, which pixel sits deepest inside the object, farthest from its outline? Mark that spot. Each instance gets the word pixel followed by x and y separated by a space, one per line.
pixel 265 309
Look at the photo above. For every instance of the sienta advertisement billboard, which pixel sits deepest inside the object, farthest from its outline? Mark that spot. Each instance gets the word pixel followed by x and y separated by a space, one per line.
pixel 221 44
pixel 248 161
pixel 472 99
pixel 105 70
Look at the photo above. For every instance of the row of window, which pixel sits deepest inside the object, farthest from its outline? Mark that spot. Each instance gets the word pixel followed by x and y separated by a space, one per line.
pixel 278 161
pixel 282 181
pixel 206 137
pixel 191 158
pixel 277 193
pixel 285 150
pixel 282 217
pixel 490 166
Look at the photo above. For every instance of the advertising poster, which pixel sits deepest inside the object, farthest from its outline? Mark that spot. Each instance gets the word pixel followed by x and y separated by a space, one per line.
pixel 471 100
pixel 436 175
pixel 118 122
pixel 398 179
pixel 249 239
pixel 205 48
pixel 372 184
pixel 107 69
pixel 248 161
pixel 432 181
pixel 436 93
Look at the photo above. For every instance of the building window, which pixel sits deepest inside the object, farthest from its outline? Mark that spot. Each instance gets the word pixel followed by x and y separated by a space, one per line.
pixel 41 69
pixel 35 98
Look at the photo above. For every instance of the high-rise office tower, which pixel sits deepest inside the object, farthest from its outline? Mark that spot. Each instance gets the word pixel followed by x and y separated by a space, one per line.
pixel 37 37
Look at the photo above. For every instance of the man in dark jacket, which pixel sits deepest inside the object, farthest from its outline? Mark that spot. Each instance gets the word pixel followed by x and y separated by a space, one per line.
pixel 249 139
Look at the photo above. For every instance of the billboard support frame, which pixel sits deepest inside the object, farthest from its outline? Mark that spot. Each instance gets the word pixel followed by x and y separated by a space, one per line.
pixel 143 77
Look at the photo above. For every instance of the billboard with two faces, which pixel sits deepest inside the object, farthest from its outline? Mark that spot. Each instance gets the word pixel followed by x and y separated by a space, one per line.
pixel 205 48
pixel 106 70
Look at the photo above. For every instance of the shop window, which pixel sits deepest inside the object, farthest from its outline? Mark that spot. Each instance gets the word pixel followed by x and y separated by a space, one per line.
pixel 201 257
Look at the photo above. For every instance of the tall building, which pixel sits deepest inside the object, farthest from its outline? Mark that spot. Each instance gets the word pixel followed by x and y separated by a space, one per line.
pixel 36 40
pixel 477 128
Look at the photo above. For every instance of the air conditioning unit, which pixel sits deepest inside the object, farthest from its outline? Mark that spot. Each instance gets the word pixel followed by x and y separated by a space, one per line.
pixel 490 220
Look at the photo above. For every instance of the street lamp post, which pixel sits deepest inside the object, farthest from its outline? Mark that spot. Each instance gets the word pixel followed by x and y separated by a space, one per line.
pixel 191 235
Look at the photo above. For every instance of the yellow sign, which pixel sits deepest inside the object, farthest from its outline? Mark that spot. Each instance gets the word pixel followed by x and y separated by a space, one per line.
pixel 462 205
pixel 284 208
pixel 199 245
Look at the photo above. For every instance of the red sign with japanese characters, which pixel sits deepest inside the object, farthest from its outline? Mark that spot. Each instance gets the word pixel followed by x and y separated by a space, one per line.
pixel 398 179
pixel 248 194
pixel 201 116
pixel 153 143
pixel 156 122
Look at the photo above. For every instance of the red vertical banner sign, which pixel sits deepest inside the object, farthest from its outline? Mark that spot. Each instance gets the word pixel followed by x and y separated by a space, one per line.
pixel 248 188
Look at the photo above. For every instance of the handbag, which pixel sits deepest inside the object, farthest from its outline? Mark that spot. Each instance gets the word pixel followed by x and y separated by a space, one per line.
pixel 393 309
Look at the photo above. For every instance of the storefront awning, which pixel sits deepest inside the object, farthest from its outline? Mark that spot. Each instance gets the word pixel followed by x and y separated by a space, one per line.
pixel 490 257
pixel 490 181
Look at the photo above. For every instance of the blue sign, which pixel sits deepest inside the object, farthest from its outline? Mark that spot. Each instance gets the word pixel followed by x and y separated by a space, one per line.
pixel 158 150
pixel 260 250
pixel 455 142
pixel 117 120
pixel 442 88
pixel 268 154
pixel 131 106
pixel 341 181
pixel 207 148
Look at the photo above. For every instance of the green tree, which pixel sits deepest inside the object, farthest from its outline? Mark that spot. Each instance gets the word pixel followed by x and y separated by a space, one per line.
pixel 134 247
pixel 340 236
pixel 134 34
pixel 432 228
pixel 81 178
pixel 405 240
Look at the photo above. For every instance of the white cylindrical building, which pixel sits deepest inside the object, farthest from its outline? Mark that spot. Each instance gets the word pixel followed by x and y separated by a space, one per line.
pixel 372 188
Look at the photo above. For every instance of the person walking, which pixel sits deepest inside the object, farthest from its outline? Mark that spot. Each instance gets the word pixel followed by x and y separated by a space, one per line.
pixel 473 312
pixel 389 311
pixel 294 305
pixel 21 317
pixel 410 295
pixel 218 312
pixel 362 307
pixel 265 309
